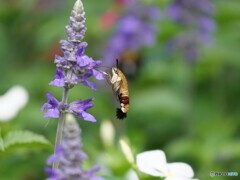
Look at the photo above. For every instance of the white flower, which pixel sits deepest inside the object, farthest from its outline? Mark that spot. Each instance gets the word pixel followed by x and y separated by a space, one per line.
pixel 12 102
pixel 154 163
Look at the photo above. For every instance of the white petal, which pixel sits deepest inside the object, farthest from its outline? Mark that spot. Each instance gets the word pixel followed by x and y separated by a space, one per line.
pixel 180 170
pixel 131 175
pixel 12 102
pixel 152 162
pixel 177 178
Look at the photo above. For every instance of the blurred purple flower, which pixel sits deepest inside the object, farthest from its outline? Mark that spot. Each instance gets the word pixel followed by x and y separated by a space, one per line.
pixel 197 19
pixel 70 156
pixel 134 30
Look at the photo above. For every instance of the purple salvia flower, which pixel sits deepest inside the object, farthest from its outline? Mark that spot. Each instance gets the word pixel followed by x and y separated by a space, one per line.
pixel 58 78
pixel 196 17
pixel 78 108
pixel 52 106
pixel 74 67
pixel 134 30
pixel 70 156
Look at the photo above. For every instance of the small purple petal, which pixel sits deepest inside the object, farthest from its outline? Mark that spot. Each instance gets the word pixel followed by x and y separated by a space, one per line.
pixel 84 60
pixel 87 75
pixel 53 158
pixel 88 117
pixel 87 104
pixel 98 75
pixel 53 113
pixel 58 78
pixel 57 82
pixel 51 100
pixel 51 173
pixel 97 63
pixel 89 84
pixel 80 51
pixel 59 149
pixel 93 170
pixel 45 106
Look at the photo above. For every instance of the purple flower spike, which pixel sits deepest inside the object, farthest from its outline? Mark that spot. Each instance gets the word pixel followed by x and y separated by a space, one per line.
pixel 52 106
pixel 74 67
pixel 76 30
pixel 74 63
pixel 70 155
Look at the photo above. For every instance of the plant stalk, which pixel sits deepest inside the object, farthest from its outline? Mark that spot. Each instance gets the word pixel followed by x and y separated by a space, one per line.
pixel 61 121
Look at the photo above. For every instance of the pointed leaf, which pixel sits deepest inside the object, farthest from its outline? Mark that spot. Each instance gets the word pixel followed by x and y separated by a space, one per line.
pixel 24 138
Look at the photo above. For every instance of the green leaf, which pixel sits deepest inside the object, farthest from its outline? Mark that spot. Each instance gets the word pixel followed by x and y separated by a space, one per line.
pixel 1 142
pixel 24 138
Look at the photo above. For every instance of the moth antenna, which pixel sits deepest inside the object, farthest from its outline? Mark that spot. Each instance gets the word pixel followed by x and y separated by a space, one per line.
pixel 103 68
pixel 117 63
pixel 120 115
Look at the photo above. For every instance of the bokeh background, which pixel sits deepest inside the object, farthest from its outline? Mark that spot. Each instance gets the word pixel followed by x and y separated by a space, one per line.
pixel 188 108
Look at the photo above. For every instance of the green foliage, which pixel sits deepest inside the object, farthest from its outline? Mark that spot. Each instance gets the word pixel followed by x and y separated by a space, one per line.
pixel 1 142
pixel 16 139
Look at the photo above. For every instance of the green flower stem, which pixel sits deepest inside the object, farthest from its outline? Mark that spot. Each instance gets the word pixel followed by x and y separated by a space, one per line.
pixel 60 126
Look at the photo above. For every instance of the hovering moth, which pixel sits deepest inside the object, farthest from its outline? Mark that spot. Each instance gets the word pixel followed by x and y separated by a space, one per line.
pixel 119 85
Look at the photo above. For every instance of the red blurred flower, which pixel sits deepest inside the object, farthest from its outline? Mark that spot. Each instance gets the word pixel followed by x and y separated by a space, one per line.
pixel 121 2
pixel 107 19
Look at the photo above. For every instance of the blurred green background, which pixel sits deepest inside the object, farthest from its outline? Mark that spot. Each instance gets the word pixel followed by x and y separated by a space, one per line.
pixel 190 112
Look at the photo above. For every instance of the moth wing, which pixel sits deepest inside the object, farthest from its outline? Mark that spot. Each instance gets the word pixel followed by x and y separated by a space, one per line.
pixel 116 89
pixel 107 77
pixel 114 83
